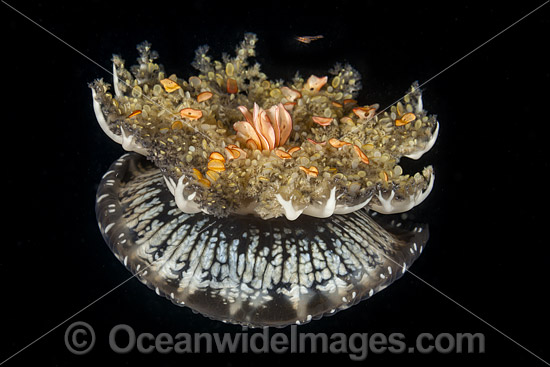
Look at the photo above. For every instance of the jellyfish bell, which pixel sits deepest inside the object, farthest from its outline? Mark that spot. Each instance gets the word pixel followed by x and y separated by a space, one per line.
pixel 251 212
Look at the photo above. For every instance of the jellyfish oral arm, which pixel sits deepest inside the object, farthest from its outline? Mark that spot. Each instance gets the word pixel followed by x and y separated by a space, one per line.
pixel 389 205
pixel 429 144
pixel 101 120
pixel 325 210
pixel 129 143
pixel 319 211
pixel 392 206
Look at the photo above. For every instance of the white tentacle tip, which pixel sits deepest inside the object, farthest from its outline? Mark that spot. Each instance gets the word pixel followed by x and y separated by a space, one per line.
pixel 289 211
pixel 324 210
pixel 390 206
pixel 185 203
pixel 129 143
pixel 429 144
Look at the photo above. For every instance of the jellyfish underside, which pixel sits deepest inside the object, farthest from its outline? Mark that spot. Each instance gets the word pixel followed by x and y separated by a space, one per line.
pixel 242 269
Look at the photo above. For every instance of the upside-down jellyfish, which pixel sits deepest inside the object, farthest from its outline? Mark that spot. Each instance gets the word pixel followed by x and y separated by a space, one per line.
pixel 253 201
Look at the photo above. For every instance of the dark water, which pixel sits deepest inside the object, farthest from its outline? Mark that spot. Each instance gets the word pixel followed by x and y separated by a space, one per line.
pixel 487 213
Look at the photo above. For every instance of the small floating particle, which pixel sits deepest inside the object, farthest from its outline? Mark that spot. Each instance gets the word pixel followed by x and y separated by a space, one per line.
pixel 308 39
pixel 135 113
pixel 191 113
pixel 349 101
pixel 169 85
pixel 204 96
pixel 323 121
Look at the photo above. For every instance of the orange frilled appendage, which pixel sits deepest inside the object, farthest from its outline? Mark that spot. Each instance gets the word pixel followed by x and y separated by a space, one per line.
pixel 264 130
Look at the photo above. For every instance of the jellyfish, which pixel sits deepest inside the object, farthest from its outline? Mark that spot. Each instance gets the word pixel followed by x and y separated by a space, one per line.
pixel 254 201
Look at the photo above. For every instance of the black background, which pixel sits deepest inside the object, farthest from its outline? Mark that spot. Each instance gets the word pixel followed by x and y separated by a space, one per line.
pixel 487 213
